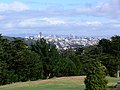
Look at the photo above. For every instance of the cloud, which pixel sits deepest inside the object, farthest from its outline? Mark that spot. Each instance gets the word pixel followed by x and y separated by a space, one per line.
pixel 28 22
pixel 35 22
pixel 116 25
pixel 108 9
pixel 97 18
pixel 1 17
pixel 53 21
pixel 93 23
pixel 15 6
pixel 8 26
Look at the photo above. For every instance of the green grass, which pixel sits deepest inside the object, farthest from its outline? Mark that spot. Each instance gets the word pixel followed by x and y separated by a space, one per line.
pixel 64 83
pixel 112 81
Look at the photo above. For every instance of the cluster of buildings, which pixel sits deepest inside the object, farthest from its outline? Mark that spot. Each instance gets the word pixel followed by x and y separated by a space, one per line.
pixel 65 42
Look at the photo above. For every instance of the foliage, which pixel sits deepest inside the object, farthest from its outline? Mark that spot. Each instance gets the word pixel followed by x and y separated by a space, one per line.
pixel 40 60
pixel 49 56
pixel 110 54
pixel 17 62
pixel 110 63
pixel 95 77
pixel 29 66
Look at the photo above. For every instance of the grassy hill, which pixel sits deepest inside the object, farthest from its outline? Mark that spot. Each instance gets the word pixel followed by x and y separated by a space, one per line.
pixel 63 83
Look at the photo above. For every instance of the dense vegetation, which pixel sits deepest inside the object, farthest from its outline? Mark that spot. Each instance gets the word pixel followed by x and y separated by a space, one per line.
pixel 41 60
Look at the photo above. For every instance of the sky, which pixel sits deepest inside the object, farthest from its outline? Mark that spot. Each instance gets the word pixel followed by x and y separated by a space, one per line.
pixel 60 17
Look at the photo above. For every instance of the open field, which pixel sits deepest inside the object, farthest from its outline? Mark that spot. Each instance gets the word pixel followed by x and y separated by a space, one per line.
pixel 63 83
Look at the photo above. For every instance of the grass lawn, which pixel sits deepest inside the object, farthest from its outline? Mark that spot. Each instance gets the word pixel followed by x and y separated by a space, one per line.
pixel 64 83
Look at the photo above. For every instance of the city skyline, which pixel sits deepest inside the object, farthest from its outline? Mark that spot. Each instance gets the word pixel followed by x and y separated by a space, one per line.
pixel 60 17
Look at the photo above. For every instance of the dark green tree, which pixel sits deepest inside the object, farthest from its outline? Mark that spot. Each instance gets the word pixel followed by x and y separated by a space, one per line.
pixel 116 51
pixel 6 74
pixel 28 66
pixel 110 63
pixel 65 67
pixel 74 58
pixel 111 54
pixel 105 45
pixel 49 56
pixel 95 76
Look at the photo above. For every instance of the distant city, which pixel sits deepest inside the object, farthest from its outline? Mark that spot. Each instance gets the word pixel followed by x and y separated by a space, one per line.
pixel 67 41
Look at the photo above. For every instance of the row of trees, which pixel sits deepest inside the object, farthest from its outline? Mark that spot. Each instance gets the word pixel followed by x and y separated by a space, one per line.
pixel 41 60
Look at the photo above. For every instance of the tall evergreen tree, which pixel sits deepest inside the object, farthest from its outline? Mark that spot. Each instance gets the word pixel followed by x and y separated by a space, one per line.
pixel 95 76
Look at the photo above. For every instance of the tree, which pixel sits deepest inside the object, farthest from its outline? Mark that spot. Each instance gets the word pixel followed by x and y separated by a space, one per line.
pixel 110 63
pixel 111 54
pixel 6 74
pixel 65 67
pixel 116 51
pixel 49 56
pixel 95 76
pixel 105 45
pixel 73 57
pixel 28 66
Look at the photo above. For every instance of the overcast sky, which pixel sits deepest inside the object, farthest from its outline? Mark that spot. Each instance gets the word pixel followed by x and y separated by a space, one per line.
pixel 63 17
